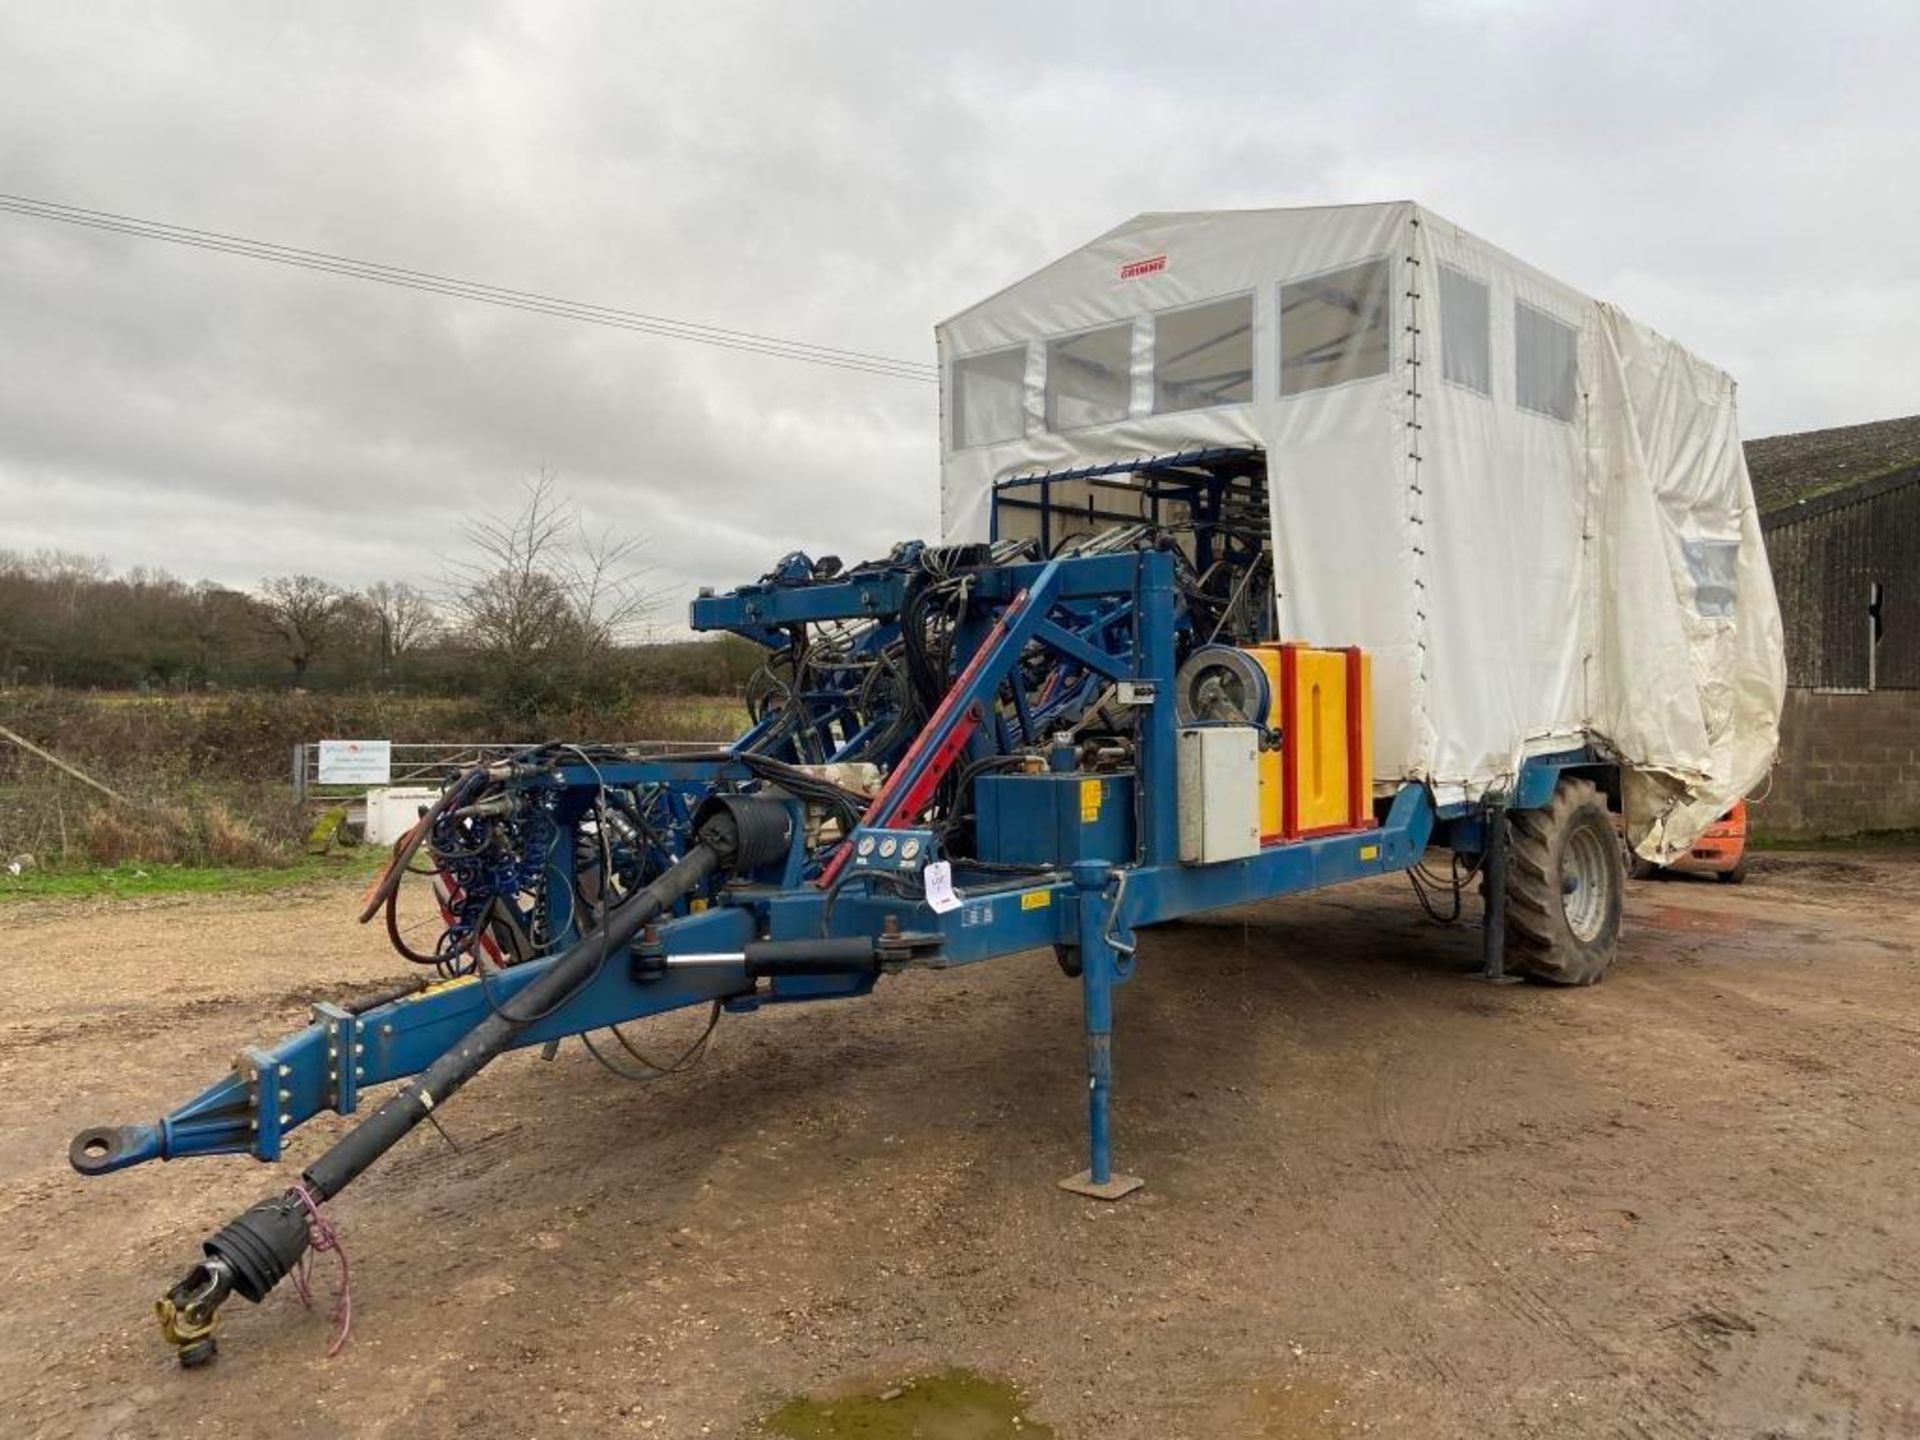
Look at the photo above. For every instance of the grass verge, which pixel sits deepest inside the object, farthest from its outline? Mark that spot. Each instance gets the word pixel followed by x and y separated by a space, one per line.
pixel 135 881
pixel 1864 840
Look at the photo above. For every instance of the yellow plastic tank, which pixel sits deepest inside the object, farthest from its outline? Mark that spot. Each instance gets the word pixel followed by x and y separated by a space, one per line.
pixel 1321 777
pixel 1272 781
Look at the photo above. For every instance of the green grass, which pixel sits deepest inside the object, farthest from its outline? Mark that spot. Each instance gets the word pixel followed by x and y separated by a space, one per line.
pixel 1864 840
pixel 135 881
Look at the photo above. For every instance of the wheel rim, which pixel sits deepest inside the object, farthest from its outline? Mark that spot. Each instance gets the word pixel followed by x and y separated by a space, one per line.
pixel 1583 883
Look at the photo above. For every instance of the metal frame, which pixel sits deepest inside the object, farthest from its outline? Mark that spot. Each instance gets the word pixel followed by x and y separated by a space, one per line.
pixel 1092 906
pixel 438 762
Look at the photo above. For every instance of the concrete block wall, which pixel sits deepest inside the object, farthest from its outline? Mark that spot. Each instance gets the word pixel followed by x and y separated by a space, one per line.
pixel 1847 763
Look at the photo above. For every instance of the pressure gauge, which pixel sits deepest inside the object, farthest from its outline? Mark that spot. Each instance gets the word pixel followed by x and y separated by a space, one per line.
pixel 865 847
pixel 909 849
pixel 888 846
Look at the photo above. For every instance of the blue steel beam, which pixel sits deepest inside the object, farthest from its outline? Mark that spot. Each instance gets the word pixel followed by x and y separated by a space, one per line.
pixel 272 1091
pixel 275 1090
pixel 758 609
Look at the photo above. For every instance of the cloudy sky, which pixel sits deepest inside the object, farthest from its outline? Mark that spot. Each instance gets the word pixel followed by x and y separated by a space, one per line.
pixel 1742 176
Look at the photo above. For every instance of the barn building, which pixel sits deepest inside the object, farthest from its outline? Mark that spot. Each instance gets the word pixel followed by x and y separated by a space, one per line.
pixel 1841 513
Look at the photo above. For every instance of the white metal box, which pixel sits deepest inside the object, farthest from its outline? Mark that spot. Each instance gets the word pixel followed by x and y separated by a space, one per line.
pixel 392 810
pixel 1219 793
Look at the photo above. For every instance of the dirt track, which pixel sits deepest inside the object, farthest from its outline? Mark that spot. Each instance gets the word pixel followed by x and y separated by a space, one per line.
pixel 1381 1199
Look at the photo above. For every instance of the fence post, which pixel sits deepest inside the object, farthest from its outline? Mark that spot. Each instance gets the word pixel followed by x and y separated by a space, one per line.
pixel 299 772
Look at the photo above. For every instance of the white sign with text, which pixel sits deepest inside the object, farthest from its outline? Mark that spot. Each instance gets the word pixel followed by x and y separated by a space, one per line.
pixel 355 762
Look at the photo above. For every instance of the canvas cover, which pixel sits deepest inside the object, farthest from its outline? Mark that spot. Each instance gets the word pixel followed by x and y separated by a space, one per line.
pixel 1534 512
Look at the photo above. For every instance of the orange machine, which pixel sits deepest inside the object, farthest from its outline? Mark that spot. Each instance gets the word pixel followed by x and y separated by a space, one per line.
pixel 1721 852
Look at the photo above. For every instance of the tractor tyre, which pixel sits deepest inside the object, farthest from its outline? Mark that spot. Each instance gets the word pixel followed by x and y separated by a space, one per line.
pixel 1565 881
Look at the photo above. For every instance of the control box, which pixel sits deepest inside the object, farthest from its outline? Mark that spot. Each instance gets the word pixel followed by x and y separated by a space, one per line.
pixel 1219 778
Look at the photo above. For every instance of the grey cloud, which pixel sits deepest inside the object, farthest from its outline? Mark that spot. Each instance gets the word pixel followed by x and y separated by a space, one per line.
pixel 849 175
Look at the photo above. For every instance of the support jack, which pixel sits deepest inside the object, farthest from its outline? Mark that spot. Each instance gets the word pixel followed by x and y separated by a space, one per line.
pixel 1493 919
pixel 1100 971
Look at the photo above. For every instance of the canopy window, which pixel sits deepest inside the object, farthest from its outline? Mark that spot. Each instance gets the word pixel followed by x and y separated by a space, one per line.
pixel 1089 377
pixel 1203 356
pixel 1466 357
pixel 989 397
pixel 1546 363
pixel 1336 327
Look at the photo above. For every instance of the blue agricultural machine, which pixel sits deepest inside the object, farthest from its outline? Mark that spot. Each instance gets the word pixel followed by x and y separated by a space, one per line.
pixel 954 753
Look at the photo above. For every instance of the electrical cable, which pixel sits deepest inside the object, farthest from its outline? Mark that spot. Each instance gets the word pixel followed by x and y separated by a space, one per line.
pixel 902 886
pixel 423 280
pixel 1425 882
pixel 686 1060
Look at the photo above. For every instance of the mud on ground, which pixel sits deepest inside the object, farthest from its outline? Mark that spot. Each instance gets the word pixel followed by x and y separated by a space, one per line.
pixel 1381 1200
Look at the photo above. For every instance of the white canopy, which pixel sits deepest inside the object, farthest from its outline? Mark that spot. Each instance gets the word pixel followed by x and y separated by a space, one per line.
pixel 1534 512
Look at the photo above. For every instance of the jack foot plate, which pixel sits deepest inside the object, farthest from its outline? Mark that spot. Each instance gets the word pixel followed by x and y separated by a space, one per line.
pixel 1118 1188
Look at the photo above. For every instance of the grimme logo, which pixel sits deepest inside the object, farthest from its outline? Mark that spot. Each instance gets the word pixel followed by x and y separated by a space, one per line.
pixel 1134 269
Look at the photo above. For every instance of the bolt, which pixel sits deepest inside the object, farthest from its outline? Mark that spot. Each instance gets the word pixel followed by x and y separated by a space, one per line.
pixel 890 927
pixel 286 1094
pixel 285 1070
pixel 358 1073
pixel 286 1119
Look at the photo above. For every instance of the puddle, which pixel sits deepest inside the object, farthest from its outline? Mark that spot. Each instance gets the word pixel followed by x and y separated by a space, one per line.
pixel 1295 1410
pixel 952 1405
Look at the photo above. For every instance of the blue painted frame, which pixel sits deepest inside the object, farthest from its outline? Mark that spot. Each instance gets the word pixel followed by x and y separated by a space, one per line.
pixel 1120 624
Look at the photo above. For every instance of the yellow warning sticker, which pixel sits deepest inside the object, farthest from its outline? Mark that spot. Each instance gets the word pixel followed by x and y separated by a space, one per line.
pixel 440 987
pixel 1369 852
pixel 1089 801
pixel 1036 900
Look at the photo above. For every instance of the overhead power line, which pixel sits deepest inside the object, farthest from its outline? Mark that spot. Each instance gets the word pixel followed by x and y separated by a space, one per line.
pixel 528 300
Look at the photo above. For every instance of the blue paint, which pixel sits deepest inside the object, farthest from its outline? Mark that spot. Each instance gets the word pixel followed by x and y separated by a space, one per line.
pixel 1046 868
pixel 1097 980
pixel 1054 818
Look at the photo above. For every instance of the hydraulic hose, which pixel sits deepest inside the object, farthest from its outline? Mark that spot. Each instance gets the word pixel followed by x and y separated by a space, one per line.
pixel 258 1248
pixel 378 1133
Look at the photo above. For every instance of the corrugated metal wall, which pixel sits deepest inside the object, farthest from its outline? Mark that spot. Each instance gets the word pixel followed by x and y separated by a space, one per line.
pixel 1827 555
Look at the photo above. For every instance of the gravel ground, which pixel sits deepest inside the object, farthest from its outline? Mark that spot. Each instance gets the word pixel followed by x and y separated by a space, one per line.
pixel 1381 1199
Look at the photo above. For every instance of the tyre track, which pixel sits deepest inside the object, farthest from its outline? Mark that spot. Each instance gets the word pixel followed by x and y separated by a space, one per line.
pixel 1654 1413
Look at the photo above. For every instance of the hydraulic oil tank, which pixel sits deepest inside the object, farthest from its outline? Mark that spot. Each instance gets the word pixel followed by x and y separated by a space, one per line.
pixel 1054 819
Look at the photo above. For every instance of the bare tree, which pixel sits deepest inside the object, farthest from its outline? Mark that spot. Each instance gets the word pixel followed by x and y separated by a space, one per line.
pixel 215 619
pixel 302 610
pixel 540 583
pixel 405 617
